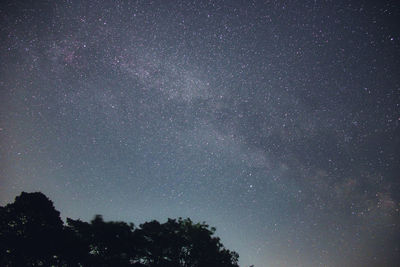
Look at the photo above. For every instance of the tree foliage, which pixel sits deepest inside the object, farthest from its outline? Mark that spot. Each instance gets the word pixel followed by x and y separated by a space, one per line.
pixel 32 234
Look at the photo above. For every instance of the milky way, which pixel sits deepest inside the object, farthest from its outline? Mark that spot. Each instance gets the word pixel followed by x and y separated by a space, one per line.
pixel 275 121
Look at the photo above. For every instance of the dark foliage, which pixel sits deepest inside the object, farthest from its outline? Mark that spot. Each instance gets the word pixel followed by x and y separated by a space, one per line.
pixel 32 234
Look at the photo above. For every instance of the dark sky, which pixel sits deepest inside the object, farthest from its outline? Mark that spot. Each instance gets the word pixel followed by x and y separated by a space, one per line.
pixel 275 121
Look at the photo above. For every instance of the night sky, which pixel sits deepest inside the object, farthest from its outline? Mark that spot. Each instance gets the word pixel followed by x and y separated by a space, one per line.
pixel 277 122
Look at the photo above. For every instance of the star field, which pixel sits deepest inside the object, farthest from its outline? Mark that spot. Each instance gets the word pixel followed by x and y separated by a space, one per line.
pixel 277 122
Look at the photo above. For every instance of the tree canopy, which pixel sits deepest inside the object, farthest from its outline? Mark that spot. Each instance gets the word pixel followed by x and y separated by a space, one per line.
pixel 33 234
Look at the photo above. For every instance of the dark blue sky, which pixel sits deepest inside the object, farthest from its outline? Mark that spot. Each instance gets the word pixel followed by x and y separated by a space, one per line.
pixel 275 121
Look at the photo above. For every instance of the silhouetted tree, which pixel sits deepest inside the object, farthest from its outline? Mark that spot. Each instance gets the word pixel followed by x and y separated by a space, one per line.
pixel 105 243
pixel 30 231
pixel 183 243
pixel 32 234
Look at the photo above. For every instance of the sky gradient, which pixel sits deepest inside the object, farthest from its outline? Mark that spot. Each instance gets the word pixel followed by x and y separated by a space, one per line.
pixel 277 122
